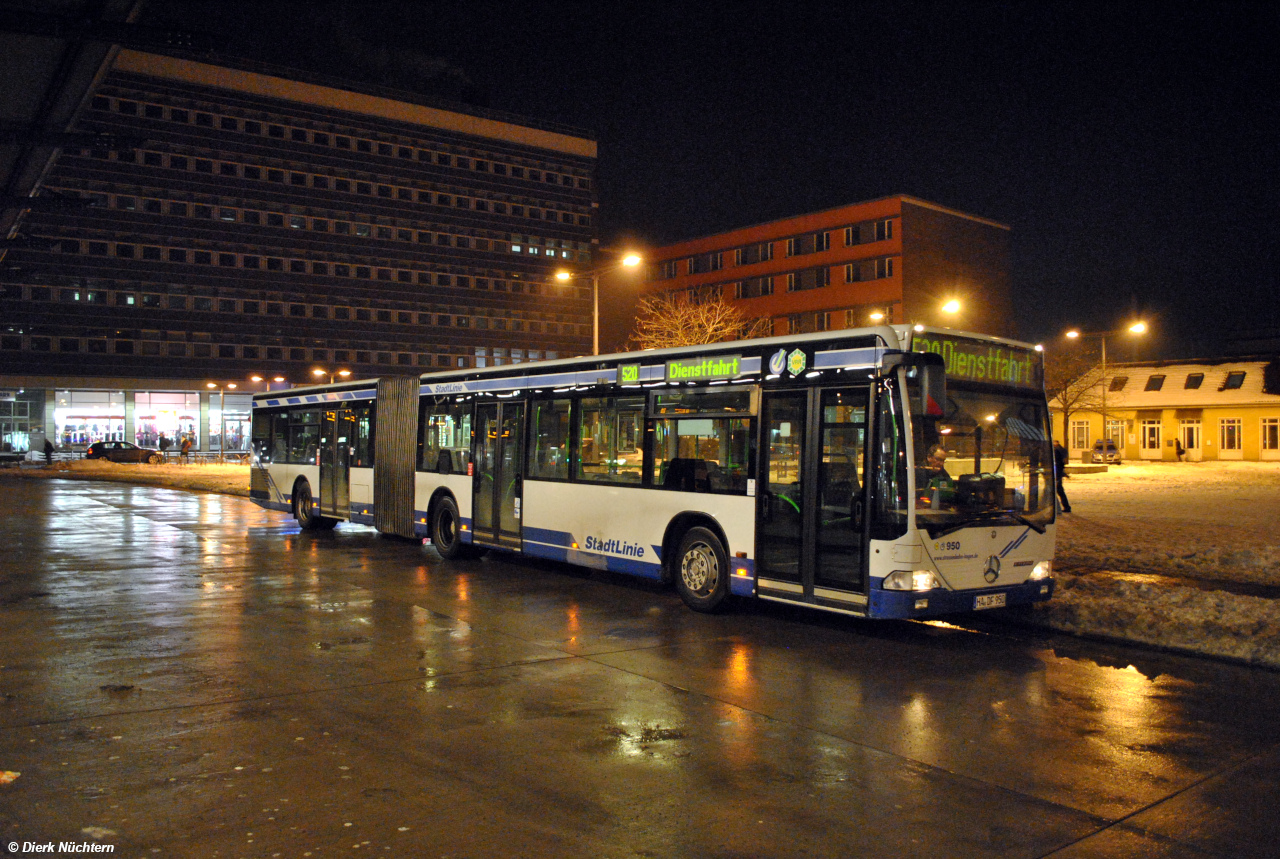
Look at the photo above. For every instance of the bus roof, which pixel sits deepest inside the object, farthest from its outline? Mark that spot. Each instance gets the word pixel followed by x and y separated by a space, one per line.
pixel 900 337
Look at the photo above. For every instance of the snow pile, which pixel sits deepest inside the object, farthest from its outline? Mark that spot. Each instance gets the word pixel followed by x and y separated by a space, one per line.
pixel 1211 622
pixel 1211 524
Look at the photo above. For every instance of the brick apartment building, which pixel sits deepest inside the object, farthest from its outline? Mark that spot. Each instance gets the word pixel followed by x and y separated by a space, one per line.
pixel 898 257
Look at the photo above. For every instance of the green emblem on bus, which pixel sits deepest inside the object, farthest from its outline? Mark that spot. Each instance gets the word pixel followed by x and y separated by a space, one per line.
pixel 628 374
pixel 796 362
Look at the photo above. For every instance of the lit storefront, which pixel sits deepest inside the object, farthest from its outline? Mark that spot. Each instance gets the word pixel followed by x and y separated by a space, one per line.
pixel 174 415
pixel 214 421
pixel 83 417
pixel 229 422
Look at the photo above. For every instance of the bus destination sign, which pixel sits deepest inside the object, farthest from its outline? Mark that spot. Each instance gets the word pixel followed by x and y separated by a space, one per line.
pixel 704 369
pixel 998 363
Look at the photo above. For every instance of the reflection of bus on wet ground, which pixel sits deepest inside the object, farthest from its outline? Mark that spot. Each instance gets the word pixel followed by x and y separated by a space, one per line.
pixel 792 469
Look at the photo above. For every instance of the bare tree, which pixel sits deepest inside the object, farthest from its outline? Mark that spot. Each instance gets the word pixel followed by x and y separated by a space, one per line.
pixel 1073 381
pixel 683 319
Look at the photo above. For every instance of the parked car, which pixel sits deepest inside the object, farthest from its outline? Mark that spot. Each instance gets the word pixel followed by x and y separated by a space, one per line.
pixel 122 451
pixel 1105 450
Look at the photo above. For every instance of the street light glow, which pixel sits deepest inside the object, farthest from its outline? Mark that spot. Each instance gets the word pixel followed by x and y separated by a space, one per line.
pixel 1072 334
pixel 951 306
pixel 563 275
pixel 876 316
pixel 1138 328
pixel 631 260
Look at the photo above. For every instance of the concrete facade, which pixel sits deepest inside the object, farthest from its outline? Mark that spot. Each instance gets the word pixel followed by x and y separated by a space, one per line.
pixel 267 225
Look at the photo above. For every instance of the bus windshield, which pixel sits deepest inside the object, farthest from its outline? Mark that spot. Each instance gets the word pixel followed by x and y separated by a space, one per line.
pixel 986 459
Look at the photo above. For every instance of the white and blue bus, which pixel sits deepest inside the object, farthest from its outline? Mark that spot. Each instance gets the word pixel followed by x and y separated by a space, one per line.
pixel 884 472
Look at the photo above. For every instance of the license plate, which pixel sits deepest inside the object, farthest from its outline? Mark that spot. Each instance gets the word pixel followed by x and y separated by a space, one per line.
pixel 989 601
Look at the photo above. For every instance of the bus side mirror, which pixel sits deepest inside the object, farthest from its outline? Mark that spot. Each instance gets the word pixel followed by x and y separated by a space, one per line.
pixel 926 382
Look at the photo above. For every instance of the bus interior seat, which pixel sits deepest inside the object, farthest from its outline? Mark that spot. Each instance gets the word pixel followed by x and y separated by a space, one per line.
pixel 444 462
pixel 689 475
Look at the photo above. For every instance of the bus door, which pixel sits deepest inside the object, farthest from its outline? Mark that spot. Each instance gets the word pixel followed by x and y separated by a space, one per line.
pixel 498 476
pixel 337 436
pixel 812 499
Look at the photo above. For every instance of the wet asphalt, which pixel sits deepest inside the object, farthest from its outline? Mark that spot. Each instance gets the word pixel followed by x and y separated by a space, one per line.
pixel 184 674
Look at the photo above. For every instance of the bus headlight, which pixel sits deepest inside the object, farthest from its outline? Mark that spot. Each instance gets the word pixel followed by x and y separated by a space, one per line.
pixel 907 580
pixel 1041 571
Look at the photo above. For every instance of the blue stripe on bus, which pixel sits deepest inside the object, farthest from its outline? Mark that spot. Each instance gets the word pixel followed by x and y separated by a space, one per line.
pixel 593 560
pixel 545 535
pixel 558 546
pixel 1015 543
pixel 867 357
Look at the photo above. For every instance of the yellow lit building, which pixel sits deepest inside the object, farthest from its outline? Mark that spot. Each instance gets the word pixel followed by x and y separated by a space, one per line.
pixel 1220 409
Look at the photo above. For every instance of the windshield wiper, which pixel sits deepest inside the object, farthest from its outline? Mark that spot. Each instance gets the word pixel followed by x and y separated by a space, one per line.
pixel 987 516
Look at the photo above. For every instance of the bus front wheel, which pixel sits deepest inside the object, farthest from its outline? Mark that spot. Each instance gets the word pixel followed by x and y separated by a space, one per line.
pixel 305 511
pixel 702 570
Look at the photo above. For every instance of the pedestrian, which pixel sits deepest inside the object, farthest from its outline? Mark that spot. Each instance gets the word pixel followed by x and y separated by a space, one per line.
pixel 186 448
pixel 48 452
pixel 165 443
pixel 1178 448
pixel 1060 467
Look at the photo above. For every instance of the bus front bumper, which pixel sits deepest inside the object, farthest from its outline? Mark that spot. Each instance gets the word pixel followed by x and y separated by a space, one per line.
pixel 907 604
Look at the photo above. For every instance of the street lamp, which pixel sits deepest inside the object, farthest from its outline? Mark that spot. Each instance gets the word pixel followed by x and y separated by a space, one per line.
pixel 320 374
pixel 951 307
pixel 222 413
pixel 628 260
pixel 1075 334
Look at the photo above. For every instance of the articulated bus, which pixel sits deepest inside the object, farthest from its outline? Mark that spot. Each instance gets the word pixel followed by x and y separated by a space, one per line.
pixel 887 472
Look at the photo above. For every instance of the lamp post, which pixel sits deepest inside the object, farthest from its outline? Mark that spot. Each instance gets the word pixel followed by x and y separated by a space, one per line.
pixel 1075 334
pixel 629 260
pixel 320 374
pixel 222 413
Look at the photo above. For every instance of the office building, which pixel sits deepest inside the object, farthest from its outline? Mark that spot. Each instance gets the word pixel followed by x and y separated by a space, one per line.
pixel 242 221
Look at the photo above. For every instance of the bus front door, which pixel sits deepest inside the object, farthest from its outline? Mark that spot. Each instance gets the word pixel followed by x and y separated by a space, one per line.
pixel 811 523
pixel 337 435
pixel 498 479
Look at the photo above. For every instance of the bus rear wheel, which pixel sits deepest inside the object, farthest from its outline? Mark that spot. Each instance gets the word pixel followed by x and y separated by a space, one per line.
pixel 702 570
pixel 305 511
pixel 446 532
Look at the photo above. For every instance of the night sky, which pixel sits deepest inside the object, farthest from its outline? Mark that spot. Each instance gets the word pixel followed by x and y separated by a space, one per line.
pixel 1133 148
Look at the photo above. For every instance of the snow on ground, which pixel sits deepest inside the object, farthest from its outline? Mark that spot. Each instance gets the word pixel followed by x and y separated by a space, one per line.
pixel 1214 526
pixel 1204 520
pixel 211 477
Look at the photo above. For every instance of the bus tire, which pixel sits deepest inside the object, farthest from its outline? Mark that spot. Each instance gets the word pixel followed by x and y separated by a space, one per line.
pixel 701 570
pixel 305 511
pixel 446 532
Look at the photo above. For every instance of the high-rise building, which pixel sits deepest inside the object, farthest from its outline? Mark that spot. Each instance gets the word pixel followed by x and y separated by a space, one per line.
pixel 258 222
pixel 896 259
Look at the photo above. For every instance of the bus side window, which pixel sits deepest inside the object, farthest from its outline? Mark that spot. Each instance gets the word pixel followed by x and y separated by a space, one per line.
pixel 280 437
pixel 445 445
pixel 549 440
pixel 611 439
pixel 700 454
pixel 304 437
pixel 362 450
